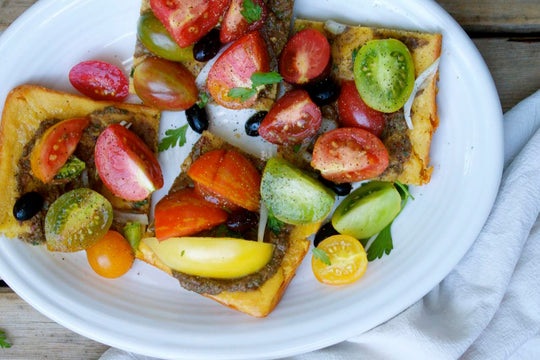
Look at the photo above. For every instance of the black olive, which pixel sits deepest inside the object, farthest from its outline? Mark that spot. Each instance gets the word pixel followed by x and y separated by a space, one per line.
pixel 253 123
pixel 340 189
pixel 27 206
pixel 242 220
pixel 324 232
pixel 324 92
pixel 207 47
pixel 197 118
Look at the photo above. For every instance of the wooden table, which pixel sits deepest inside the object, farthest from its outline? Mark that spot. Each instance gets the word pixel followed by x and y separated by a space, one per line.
pixel 507 33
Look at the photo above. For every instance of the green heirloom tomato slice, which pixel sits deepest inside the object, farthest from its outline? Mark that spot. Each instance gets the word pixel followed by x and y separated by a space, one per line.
pixel 293 196
pixel 77 220
pixel 384 74
pixel 221 258
pixel 367 210
pixel 157 39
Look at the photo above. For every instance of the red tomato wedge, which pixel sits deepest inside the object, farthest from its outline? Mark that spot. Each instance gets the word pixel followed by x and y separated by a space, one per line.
pixel 55 146
pixel 230 175
pixel 184 213
pixel 233 69
pixel 188 20
pixel 353 111
pixel 349 154
pixel 305 58
pixel 211 196
pixel 293 118
pixel 235 24
pixel 99 80
pixel 126 165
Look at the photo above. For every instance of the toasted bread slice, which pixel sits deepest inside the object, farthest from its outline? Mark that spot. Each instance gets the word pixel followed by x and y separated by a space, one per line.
pixel 425 49
pixel 26 107
pixel 259 302
pixel 275 32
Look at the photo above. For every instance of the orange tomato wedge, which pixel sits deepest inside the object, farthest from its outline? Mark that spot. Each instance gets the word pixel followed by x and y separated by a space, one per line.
pixel 347 260
pixel 184 213
pixel 230 175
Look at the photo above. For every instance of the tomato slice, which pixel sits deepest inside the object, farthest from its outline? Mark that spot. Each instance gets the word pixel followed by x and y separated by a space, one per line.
pixel 235 24
pixel 184 213
pixel 211 196
pixel 349 154
pixel 353 111
pixel 188 20
pixel 55 146
pixel 305 58
pixel 230 175
pixel 99 80
pixel 233 69
pixel 165 85
pixel 126 165
pixel 293 118
pixel 112 256
pixel 347 257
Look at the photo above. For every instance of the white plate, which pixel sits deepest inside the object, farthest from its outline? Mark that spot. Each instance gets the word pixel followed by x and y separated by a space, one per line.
pixel 147 312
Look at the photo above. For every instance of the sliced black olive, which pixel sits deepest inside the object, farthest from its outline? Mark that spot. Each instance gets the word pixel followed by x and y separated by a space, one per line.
pixel 340 189
pixel 324 232
pixel 197 118
pixel 324 92
pixel 253 123
pixel 207 47
pixel 242 220
pixel 27 206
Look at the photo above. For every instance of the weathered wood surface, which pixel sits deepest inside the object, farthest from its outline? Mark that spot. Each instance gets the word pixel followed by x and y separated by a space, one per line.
pixel 505 32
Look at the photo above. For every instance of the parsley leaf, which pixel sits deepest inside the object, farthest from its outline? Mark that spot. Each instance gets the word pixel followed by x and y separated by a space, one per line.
pixel 321 255
pixel 243 93
pixel 4 343
pixel 403 191
pixel 251 11
pixel 260 78
pixel 173 137
pixel 203 100
pixel 274 224
pixel 257 79
pixel 296 148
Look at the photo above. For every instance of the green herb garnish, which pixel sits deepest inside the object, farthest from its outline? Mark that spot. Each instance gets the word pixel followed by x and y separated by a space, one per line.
pixel 383 243
pixel 257 79
pixel 321 255
pixel 251 11
pixel 4 343
pixel 274 224
pixel 173 137
pixel 203 100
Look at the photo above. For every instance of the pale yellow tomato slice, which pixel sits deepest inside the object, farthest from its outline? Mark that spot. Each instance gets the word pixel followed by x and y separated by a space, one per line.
pixel 222 258
pixel 343 260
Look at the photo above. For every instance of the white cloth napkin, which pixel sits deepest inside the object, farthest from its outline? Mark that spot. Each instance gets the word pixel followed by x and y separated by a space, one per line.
pixel 488 307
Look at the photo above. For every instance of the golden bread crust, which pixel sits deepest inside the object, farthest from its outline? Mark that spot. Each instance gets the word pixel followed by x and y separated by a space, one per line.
pixel 26 107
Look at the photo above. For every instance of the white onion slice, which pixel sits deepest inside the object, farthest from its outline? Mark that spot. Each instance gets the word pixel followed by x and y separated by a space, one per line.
pixel 263 219
pixel 84 178
pixel 130 217
pixel 419 84
pixel 334 27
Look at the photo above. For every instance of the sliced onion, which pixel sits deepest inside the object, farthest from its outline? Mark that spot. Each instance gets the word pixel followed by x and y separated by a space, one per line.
pixel 419 84
pixel 84 178
pixel 334 27
pixel 263 219
pixel 125 124
pixel 125 217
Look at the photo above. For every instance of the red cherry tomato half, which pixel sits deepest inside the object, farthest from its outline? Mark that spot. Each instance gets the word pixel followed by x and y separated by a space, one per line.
pixel 305 58
pixel 164 84
pixel 99 80
pixel 184 213
pixel 188 20
pixel 211 196
pixel 55 146
pixel 353 111
pixel 293 118
pixel 349 154
pixel 233 69
pixel 235 25
pixel 230 175
pixel 126 165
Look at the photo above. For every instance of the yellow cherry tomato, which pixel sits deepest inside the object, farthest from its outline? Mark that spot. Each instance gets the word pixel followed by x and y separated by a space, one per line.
pixel 111 256
pixel 341 260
